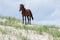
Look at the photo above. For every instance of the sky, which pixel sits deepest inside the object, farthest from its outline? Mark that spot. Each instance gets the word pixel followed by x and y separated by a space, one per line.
pixel 45 12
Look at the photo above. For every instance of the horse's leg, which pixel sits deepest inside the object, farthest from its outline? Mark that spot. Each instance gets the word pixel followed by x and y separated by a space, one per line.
pixel 28 19
pixel 23 19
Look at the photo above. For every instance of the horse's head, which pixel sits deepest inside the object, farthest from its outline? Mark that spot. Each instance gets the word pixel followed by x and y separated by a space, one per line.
pixel 21 7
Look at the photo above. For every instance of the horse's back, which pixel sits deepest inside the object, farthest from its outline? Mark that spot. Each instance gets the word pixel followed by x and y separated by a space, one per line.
pixel 28 12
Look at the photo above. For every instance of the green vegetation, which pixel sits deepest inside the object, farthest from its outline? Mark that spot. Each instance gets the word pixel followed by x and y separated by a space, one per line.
pixel 4 31
pixel 53 30
pixel 10 22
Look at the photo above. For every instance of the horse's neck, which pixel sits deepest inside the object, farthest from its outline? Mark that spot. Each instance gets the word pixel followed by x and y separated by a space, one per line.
pixel 23 10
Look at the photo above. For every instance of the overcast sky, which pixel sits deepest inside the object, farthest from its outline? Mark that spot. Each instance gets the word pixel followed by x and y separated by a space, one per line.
pixel 44 11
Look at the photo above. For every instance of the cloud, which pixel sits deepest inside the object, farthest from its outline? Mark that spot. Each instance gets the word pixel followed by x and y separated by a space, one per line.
pixel 9 8
pixel 47 22
pixel 49 12
pixel 56 13
pixel 41 9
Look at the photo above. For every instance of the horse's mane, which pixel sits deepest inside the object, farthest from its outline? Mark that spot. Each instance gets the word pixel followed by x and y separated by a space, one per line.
pixel 22 5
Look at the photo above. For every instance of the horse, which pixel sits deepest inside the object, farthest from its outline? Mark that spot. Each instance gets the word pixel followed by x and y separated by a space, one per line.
pixel 26 13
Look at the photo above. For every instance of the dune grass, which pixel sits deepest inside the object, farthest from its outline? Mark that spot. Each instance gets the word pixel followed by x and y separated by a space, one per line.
pixel 51 29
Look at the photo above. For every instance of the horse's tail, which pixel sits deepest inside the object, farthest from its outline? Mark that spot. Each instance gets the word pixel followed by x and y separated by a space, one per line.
pixel 31 15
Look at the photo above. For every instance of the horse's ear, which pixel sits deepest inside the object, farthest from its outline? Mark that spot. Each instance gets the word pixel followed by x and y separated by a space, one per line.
pixel 21 5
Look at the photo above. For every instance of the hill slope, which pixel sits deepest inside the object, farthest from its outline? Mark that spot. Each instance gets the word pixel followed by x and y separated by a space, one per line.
pixel 13 29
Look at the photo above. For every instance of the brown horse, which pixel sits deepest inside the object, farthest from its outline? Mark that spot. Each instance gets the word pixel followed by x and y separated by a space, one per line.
pixel 26 13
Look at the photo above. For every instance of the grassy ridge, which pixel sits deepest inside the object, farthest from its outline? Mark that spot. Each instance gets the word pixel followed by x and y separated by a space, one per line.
pixel 53 30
